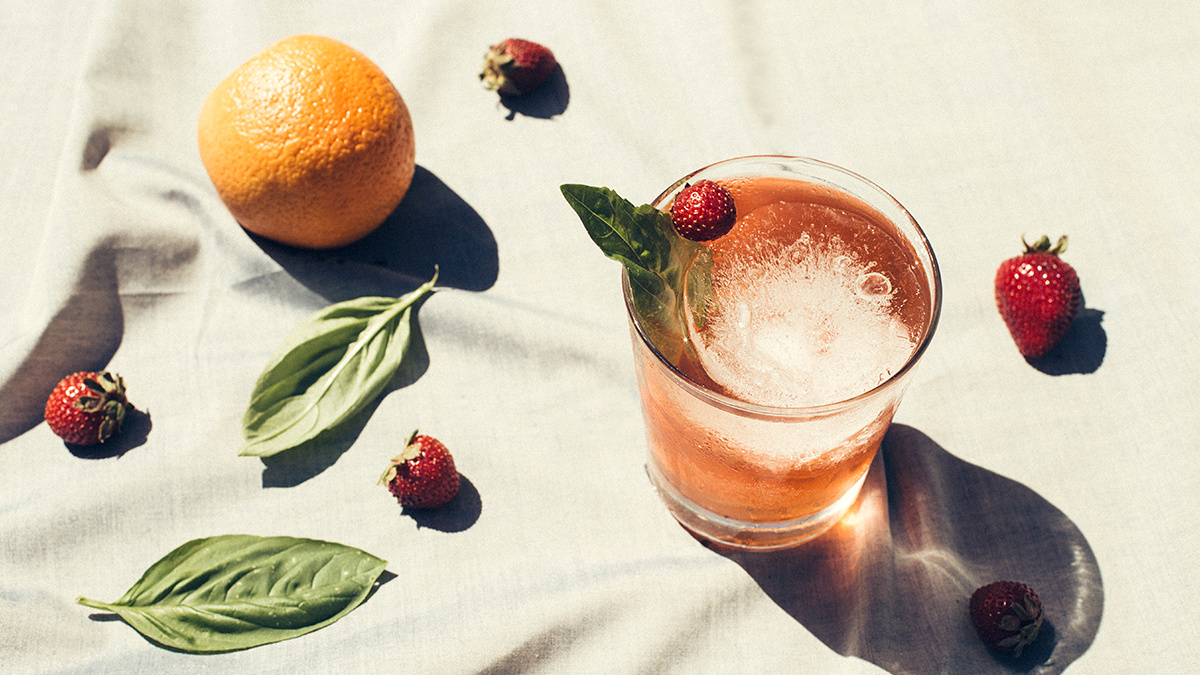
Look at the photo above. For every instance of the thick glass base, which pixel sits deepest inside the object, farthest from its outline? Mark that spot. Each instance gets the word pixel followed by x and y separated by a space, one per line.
pixel 746 535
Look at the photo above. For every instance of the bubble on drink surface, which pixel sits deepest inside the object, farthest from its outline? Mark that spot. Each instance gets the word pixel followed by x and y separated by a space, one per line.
pixel 873 286
pixel 807 321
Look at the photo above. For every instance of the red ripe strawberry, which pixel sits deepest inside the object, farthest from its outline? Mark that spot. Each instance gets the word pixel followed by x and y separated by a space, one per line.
pixel 1038 296
pixel 1007 615
pixel 516 66
pixel 423 476
pixel 86 408
pixel 703 211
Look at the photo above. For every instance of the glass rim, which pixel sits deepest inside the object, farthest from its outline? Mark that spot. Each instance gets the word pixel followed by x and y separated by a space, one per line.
pixel 738 405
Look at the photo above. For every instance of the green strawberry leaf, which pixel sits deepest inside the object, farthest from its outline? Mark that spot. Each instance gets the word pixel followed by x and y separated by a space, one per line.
pixel 232 592
pixel 657 261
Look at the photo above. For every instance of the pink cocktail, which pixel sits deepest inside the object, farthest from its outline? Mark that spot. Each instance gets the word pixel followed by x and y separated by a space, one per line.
pixel 762 425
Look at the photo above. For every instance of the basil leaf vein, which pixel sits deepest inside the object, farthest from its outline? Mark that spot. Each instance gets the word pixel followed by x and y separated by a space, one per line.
pixel 328 369
pixel 237 591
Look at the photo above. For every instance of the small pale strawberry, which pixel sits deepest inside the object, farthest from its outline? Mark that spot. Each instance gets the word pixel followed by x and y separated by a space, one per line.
pixel 1007 615
pixel 703 211
pixel 86 408
pixel 515 66
pixel 423 476
pixel 1038 296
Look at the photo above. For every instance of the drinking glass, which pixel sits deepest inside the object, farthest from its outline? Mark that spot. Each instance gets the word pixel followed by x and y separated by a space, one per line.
pixel 756 476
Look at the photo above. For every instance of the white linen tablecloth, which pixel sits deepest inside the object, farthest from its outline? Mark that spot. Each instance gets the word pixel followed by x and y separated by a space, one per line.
pixel 987 120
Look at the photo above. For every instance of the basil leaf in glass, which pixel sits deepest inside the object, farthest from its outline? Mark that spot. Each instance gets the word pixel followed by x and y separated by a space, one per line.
pixel 658 262
pixel 237 591
pixel 328 369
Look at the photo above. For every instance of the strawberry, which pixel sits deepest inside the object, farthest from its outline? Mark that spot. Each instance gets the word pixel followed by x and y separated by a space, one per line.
pixel 86 408
pixel 516 66
pixel 1007 615
pixel 703 211
pixel 1038 296
pixel 423 475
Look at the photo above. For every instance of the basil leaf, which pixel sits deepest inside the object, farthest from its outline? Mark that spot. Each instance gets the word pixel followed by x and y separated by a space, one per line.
pixel 328 369
pixel 657 261
pixel 238 591
pixel 632 236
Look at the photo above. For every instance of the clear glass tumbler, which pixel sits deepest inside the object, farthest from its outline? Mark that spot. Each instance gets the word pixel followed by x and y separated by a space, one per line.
pixel 761 476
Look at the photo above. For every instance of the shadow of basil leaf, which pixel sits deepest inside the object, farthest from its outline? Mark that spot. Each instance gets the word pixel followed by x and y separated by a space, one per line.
pixel 384 577
pixel 889 584
pixel 307 460
pixel 432 226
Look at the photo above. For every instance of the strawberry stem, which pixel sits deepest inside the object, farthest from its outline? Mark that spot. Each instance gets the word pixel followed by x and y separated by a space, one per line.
pixel 1042 245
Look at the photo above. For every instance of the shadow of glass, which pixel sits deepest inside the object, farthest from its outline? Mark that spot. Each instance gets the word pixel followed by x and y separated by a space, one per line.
pixel 83 335
pixel 889 584
pixel 1081 349
pixel 307 460
pixel 548 100
pixel 431 227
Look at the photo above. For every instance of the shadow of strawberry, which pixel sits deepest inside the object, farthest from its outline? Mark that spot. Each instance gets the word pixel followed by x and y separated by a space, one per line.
pixel 548 100
pixel 1081 349
pixel 460 514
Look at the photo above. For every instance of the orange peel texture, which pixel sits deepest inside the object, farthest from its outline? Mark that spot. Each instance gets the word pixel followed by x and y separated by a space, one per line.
pixel 308 143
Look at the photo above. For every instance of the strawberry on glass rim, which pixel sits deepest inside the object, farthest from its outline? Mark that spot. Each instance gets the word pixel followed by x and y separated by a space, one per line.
pixel 703 211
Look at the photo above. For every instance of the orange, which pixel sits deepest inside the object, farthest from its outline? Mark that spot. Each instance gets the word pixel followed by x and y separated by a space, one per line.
pixel 308 143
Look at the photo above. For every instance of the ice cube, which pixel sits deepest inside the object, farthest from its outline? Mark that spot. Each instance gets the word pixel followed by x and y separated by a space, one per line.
pixel 800 323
